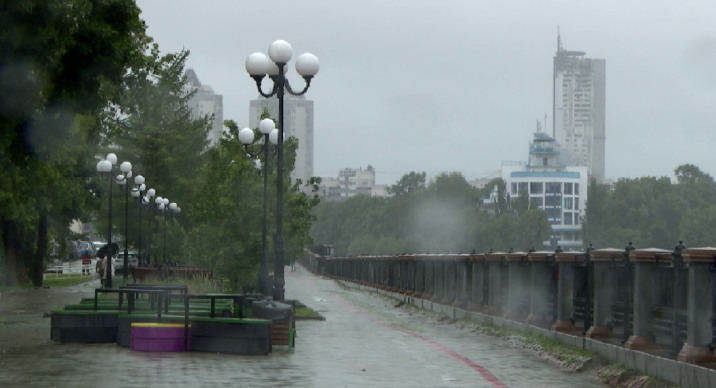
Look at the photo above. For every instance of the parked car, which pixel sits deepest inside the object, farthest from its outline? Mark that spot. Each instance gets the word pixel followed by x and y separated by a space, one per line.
pixel 133 261
pixel 98 245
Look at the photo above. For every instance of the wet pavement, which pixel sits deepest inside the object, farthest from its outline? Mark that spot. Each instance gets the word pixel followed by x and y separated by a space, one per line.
pixel 364 342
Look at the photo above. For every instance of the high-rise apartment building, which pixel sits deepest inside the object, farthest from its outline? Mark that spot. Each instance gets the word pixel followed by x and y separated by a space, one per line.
pixel 206 102
pixel 297 122
pixel 578 108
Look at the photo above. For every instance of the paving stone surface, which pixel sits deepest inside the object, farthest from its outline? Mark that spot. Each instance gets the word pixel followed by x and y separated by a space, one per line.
pixel 364 342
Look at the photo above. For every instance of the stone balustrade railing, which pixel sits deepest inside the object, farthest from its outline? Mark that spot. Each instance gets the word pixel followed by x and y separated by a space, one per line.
pixel 650 300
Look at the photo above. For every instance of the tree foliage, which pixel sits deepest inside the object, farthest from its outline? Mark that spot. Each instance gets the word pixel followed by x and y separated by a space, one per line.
pixel 60 64
pixel 651 211
pixel 446 216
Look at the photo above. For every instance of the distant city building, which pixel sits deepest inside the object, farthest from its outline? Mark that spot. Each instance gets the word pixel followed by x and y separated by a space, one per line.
pixel 206 102
pixel 479 183
pixel 552 185
pixel 351 182
pixel 579 108
pixel 298 123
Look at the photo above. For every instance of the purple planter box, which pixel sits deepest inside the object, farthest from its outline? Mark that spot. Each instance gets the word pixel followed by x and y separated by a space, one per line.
pixel 159 337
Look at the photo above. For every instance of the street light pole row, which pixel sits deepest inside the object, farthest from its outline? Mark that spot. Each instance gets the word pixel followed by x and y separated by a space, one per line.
pixel 104 167
pixel 246 137
pixel 258 66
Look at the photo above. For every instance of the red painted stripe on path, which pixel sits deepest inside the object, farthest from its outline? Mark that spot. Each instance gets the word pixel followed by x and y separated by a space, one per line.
pixel 486 374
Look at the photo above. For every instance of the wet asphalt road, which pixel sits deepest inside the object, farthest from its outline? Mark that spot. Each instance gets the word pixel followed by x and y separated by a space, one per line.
pixel 364 342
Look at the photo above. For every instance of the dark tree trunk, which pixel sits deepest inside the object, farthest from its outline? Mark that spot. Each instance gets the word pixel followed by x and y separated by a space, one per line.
pixel 39 264
pixel 9 236
pixel 20 266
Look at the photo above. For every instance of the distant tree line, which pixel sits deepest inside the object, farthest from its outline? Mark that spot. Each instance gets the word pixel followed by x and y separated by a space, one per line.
pixel 446 215
pixel 449 216
pixel 653 211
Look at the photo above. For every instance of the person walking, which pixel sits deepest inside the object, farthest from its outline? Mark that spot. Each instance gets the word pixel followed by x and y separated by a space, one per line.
pixel 106 253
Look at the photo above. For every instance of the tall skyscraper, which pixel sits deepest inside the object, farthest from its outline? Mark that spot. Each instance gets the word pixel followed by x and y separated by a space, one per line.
pixel 578 108
pixel 206 102
pixel 297 122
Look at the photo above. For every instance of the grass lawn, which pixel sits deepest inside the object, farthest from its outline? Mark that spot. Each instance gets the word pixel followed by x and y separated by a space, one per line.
pixel 305 312
pixel 302 311
pixel 65 281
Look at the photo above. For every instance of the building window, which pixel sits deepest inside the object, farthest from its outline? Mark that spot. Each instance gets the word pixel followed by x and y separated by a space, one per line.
pixel 576 203
pixel 554 219
pixel 568 203
pixel 568 188
pixel 513 188
pixel 553 187
pixel 576 189
pixel 544 161
pixel 537 202
pixel 567 218
pixel 576 221
pixel 553 200
pixel 536 188
pixel 522 187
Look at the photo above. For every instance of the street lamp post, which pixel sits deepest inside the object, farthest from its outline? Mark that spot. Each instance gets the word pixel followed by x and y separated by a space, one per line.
pixel 161 206
pixel 126 169
pixel 258 66
pixel 148 200
pixel 104 167
pixel 137 193
pixel 173 208
pixel 246 137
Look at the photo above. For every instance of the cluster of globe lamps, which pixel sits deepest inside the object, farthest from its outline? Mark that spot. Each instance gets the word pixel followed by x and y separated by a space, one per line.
pixel 258 65
pixel 105 167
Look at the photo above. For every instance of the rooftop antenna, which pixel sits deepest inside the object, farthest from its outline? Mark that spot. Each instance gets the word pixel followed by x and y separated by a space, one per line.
pixel 559 40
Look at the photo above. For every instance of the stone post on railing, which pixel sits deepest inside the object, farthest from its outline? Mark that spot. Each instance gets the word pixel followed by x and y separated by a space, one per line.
pixel 429 264
pixel 700 304
pixel 603 260
pixel 565 288
pixel 410 266
pixel 450 284
pixel 494 300
pixel 643 336
pixel 541 271
pixel 518 285
pixel 439 279
pixel 461 286
pixel 477 288
pixel 419 276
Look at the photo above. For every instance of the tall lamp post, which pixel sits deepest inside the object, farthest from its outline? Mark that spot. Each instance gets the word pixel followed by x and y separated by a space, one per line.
pixel 148 200
pixel 161 206
pixel 122 179
pixel 104 167
pixel 137 193
pixel 258 66
pixel 246 137
pixel 171 208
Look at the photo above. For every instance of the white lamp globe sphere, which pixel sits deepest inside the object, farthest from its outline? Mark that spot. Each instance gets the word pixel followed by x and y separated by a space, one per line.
pixel 280 51
pixel 257 64
pixel 307 65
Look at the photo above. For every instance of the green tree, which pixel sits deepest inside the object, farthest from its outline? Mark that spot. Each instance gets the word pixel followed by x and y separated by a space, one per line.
pixel 60 64
pixel 226 220
pixel 413 182
pixel 154 129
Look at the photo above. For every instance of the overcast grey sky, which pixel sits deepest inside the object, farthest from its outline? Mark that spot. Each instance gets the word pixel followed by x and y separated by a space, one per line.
pixel 458 85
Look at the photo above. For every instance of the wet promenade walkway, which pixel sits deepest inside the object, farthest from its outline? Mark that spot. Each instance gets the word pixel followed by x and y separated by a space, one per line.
pixel 364 342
